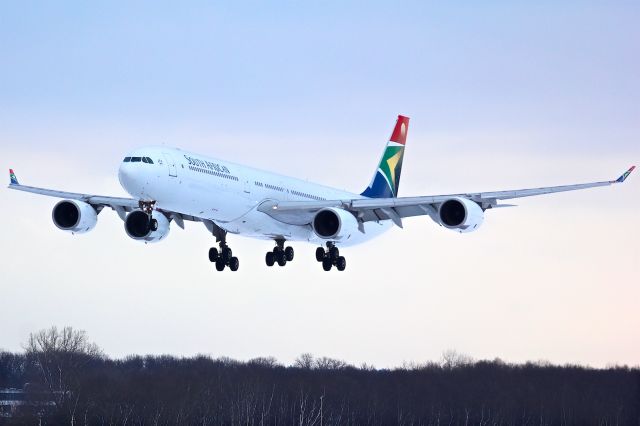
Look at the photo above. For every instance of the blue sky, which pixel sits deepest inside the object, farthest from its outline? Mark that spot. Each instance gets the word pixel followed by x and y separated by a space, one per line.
pixel 280 66
pixel 502 95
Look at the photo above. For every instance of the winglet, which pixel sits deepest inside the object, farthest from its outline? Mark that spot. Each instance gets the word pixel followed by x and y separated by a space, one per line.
pixel 12 176
pixel 625 175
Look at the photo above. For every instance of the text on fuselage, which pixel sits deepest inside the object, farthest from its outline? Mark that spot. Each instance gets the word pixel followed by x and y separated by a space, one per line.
pixel 206 164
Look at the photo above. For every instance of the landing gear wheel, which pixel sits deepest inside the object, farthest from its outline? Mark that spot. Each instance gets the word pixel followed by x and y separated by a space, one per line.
pixel 270 258
pixel 220 264
pixel 222 256
pixel 288 253
pixel 334 253
pixel 320 254
pixel 227 254
pixel 280 254
pixel 341 264
pixel 326 264
pixel 234 264
pixel 213 254
pixel 153 225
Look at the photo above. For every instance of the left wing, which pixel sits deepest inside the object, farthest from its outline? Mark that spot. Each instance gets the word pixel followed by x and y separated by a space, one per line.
pixel 374 209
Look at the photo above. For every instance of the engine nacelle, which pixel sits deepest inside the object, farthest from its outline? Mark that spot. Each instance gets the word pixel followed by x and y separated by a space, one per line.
pixel 334 224
pixel 138 226
pixel 460 214
pixel 74 216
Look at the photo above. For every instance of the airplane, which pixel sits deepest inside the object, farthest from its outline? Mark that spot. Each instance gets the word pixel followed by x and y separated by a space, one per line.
pixel 171 185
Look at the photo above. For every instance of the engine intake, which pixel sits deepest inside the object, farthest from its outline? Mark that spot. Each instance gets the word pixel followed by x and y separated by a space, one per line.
pixel 139 227
pixel 74 216
pixel 460 214
pixel 334 224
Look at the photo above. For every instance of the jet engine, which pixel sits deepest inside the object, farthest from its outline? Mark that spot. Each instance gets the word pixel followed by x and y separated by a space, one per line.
pixel 334 224
pixel 74 216
pixel 460 214
pixel 139 227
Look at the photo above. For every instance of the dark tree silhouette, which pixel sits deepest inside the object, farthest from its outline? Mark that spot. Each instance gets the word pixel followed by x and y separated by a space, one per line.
pixel 92 389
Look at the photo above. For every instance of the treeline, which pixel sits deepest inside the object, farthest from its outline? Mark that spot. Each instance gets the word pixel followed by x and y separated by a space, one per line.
pixel 89 388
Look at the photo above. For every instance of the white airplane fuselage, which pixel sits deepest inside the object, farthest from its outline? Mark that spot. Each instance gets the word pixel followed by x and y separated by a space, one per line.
pixel 228 194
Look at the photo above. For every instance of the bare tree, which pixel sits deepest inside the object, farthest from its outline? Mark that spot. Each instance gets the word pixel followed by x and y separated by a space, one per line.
pixel 304 361
pixel 452 359
pixel 60 356
pixel 267 362
pixel 326 363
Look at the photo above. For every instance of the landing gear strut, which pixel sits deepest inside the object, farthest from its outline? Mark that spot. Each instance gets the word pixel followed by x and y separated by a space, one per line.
pixel 280 254
pixel 147 207
pixel 331 257
pixel 224 256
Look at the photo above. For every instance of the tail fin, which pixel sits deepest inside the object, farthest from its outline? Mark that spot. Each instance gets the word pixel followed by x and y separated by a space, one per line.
pixel 13 178
pixel 386 180
pixel 625 175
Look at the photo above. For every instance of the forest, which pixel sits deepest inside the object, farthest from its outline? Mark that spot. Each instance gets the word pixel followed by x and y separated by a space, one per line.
pixel 64 379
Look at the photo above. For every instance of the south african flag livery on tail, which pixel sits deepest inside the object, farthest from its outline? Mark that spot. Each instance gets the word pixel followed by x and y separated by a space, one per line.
pixel 625 175
pixel 12 176
pixel 386 180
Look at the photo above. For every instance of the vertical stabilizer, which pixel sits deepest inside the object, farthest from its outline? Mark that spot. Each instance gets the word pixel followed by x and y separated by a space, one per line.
pixel 386 180
pixel 12 178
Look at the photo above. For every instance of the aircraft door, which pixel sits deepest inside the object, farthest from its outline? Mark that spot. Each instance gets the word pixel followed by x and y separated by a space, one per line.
pixel 247 186
pixel 173 170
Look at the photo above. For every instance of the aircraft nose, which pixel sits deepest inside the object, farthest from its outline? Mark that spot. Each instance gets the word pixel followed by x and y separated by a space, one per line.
pixel 125 176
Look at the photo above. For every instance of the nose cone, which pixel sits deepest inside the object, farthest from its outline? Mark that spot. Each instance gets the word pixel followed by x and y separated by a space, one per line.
pixel 126 176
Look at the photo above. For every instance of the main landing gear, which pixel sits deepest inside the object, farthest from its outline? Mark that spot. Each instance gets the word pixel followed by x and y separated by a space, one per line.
pixel 331 257
pixel 280 254
pixel 224 256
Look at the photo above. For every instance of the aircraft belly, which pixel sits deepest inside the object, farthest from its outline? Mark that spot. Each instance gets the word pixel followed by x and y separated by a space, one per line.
pixel 201 200
pixel 259 225
pixel 256 224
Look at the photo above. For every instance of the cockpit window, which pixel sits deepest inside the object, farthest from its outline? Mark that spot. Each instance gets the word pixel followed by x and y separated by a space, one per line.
pixel 138 160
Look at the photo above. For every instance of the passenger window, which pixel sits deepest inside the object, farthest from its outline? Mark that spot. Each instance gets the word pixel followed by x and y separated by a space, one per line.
pixel 127 159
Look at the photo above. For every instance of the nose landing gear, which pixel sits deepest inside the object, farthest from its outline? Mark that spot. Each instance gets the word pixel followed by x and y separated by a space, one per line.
pixel 147 207
pixel 331 257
